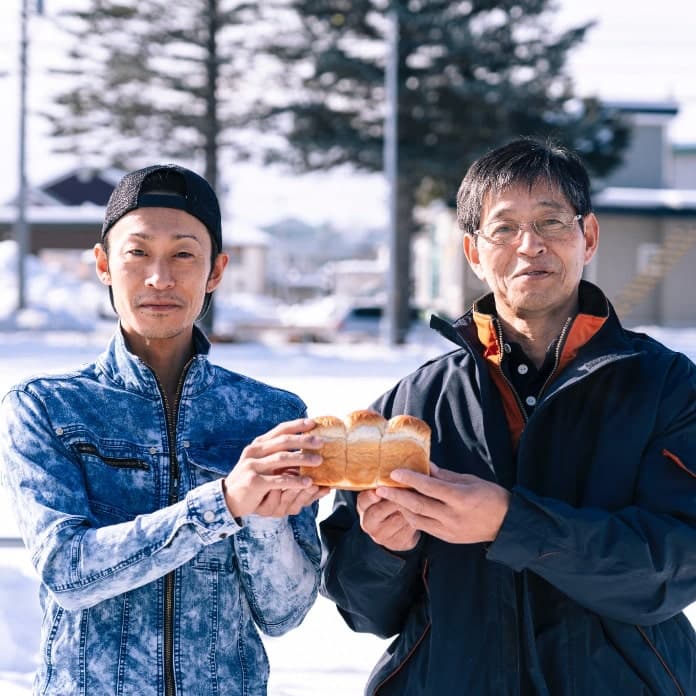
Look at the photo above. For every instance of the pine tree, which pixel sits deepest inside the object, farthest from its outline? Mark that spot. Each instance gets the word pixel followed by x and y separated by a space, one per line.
pixel 155 81
pixel 471 74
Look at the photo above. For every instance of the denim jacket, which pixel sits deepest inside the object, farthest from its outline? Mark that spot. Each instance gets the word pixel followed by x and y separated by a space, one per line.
pixel 148 584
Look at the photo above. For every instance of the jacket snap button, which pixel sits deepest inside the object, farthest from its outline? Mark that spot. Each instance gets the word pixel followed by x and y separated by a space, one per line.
pixel 153 450
pixel 209 516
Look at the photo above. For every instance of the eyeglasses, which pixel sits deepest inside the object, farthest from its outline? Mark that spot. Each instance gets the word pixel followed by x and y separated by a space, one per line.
pixel 554 228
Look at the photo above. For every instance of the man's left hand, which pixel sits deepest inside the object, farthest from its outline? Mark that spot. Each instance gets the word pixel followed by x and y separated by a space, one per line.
pixel 458 508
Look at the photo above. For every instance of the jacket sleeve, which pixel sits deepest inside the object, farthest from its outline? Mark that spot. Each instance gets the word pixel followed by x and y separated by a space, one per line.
pixel 636 564
pixel 80 562
pixel 373 588
pixel 278 561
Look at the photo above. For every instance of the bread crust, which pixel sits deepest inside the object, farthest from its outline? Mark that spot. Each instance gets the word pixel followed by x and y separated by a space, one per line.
pixel 356 419
pixel 363 436
pixel 333 467
pixel 362 450
pixel 405 445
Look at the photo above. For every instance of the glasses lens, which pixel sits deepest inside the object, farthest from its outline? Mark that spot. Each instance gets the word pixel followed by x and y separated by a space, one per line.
pixel 503 232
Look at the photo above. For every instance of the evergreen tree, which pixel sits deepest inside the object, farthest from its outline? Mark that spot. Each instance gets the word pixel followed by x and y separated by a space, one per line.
pixel 471 74
pixel 156 81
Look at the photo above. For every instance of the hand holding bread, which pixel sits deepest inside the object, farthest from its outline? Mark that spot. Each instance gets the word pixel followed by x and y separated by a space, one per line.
pixel 361 451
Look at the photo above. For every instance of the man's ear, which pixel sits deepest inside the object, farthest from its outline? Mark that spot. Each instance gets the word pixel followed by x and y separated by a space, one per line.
pixel 216 271
pixel 472 255
pixel 102 264
pixel 590 227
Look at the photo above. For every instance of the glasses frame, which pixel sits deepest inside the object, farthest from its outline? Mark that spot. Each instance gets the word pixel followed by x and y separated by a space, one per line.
pixel 517 237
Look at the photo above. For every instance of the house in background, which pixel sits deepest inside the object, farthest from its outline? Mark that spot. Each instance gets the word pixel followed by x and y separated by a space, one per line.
pixel 647 252
pixel 65 216
pixel 65 212
pixel 684 166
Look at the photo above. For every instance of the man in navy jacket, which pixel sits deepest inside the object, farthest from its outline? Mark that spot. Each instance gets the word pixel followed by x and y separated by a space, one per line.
pixel 552 549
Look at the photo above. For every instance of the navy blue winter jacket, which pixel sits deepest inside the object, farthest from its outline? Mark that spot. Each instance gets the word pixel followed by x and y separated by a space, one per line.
pixel 582 591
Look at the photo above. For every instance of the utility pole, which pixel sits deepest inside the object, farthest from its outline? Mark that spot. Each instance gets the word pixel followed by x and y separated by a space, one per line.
pixel 390 154
pixel 22 229
pixel 21 226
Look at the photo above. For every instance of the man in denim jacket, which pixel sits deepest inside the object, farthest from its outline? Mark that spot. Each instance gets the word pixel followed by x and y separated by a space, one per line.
pixel 157 493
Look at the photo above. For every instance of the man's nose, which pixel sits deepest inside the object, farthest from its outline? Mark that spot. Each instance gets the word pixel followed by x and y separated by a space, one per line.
pixel 531 242
pixel 159 275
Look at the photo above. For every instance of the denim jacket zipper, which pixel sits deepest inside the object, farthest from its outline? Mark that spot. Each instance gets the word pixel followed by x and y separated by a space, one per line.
pixel 169 680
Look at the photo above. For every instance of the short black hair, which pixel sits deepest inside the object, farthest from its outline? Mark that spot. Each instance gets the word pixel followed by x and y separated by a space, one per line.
pixel 525 161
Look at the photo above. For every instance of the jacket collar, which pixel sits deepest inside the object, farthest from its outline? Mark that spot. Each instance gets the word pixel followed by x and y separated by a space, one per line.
pixel 595 330
pixel 128 371
pixel 480 331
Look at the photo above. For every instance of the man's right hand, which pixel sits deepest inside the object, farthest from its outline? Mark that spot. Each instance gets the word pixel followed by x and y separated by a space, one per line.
pixel 382 521
pixel 266 479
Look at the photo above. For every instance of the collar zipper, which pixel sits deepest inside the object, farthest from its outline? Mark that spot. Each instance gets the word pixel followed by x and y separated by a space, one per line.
pixel 557 358
pixel 501 348
pixel 559 349
pixel 169 679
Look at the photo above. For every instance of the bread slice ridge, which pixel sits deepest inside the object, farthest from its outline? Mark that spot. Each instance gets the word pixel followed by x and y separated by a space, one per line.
pixel 363 437
pixel 405 445
pixel 332 470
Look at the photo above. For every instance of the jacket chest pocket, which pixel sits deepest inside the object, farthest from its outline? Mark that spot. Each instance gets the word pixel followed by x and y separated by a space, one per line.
pixel 121 478
pixel 208 462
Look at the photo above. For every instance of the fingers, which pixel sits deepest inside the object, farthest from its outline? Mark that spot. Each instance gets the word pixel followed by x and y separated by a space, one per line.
pixel 299 425
pixel 266 478
pixel 427 485
pixel 385 524
pixel 366 499
pixel 447 475
pixel 411 501
pixel 438 485
pixel 284 451
pixel 374 517
pixel 282 461
pixel 283 481
pixel 280 503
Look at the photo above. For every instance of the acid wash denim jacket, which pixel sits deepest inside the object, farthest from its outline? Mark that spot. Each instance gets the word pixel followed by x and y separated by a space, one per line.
pixel 148 584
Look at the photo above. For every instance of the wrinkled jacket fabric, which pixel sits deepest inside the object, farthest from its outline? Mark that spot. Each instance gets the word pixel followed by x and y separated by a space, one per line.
pixel 582 591
pixel 148 584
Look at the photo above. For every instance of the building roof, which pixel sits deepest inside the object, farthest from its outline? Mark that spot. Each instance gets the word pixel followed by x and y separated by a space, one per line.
pixel 666 108
pixel 91 216
pixel 86 214
pixel 646 201
pixel 76 187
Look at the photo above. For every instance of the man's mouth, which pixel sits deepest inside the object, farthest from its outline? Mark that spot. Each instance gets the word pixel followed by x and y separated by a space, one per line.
pixel 533 273
pixel 159 305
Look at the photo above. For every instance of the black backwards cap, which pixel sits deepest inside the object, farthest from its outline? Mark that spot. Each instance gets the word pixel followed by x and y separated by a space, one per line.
pixel 166 186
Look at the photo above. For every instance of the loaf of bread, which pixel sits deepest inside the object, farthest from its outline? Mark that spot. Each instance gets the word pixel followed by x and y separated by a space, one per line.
pixel 361 451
